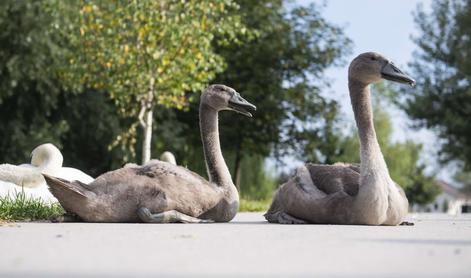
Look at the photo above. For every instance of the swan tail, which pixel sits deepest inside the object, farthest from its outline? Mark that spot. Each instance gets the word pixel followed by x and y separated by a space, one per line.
pixel 63 189
pixel 275 209
pixel 73 196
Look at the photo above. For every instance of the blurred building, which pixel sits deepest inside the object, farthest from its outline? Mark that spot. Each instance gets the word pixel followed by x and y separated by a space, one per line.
pixel 450 201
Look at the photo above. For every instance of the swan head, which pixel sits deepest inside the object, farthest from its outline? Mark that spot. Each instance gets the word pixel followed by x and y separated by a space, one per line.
pixel 371 67
pixel 168 157
pixel 47 158
pixel 221 97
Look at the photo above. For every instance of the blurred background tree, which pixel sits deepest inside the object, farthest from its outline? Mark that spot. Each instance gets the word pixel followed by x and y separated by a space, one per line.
pixel 442 99
pixel 281 71
pixel 77 74
pixel 146 53
pixel 35 107
pixel 29 90
pixel 442 66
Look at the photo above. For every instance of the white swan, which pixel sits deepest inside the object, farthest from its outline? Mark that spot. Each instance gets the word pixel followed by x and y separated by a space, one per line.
pixel 168 157
pixel 45 159
pixel 12 190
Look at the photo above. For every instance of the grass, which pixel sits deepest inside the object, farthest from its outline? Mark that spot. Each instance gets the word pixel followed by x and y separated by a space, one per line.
pixel 21 208
pixel 247 205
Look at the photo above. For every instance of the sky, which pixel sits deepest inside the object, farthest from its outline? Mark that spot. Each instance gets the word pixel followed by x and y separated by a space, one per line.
pixel 383 26
pixel 374 25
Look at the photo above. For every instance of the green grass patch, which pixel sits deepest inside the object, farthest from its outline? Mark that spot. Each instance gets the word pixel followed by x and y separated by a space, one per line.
pixel 254 205
pixel 21 208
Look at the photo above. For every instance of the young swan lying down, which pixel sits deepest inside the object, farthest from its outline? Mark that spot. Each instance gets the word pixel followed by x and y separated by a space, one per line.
pixel 345 193
pixel 161 192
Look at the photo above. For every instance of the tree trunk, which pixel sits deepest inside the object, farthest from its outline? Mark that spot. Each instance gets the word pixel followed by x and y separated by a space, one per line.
pixel 146 145
pixel 237 170
pixel 146 119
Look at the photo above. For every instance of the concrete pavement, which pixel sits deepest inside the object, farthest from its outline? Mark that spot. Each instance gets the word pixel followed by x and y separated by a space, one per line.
pixel 438 245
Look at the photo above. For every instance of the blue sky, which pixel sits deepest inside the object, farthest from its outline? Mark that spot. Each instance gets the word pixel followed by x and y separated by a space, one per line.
pixel 381 26
pixel 384 26
pixel 373 25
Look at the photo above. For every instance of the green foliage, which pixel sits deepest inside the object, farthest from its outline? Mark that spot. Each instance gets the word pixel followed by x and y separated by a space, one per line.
pixel 421 189
pixel 442 99
pixel 256 182
pixel 92 122
pixel 247 205
pixel 402 158
pixel 281 71
pixel 146 53
pixel 61 60
pixel 122 44
pixel 29 89
pixel 20 207
pixel 36 109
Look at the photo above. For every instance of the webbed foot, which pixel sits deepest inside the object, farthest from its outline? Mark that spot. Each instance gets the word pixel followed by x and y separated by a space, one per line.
pixel 171 216
pixel 284 218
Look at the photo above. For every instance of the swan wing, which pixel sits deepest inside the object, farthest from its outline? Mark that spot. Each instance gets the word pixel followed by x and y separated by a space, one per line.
pixel 181 189
pixel 334 178
pixel 21 176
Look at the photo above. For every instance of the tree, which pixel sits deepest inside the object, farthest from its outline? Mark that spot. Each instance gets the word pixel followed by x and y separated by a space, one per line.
pixel 85 143
pixel 29 90
pixel 442 99
pixel 402 158
pixel 146 53
pixel 34 105
pixel 281 71
pixel 422 189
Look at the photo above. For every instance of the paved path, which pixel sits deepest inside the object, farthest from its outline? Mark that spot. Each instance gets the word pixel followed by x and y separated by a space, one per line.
pixel 438 245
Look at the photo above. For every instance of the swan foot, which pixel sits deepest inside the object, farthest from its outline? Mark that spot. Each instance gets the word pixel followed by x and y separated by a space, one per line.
pixel 406 223
pixel 171 216
pixel 67 217
pixel 284 218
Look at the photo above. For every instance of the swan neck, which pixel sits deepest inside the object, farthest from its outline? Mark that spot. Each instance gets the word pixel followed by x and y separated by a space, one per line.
pixel 52 163
pixel 47 161
pixel 370 151
pixel 216 166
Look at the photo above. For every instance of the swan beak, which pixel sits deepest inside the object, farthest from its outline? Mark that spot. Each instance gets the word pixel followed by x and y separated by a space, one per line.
pixel 240 105
pixel 392 73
